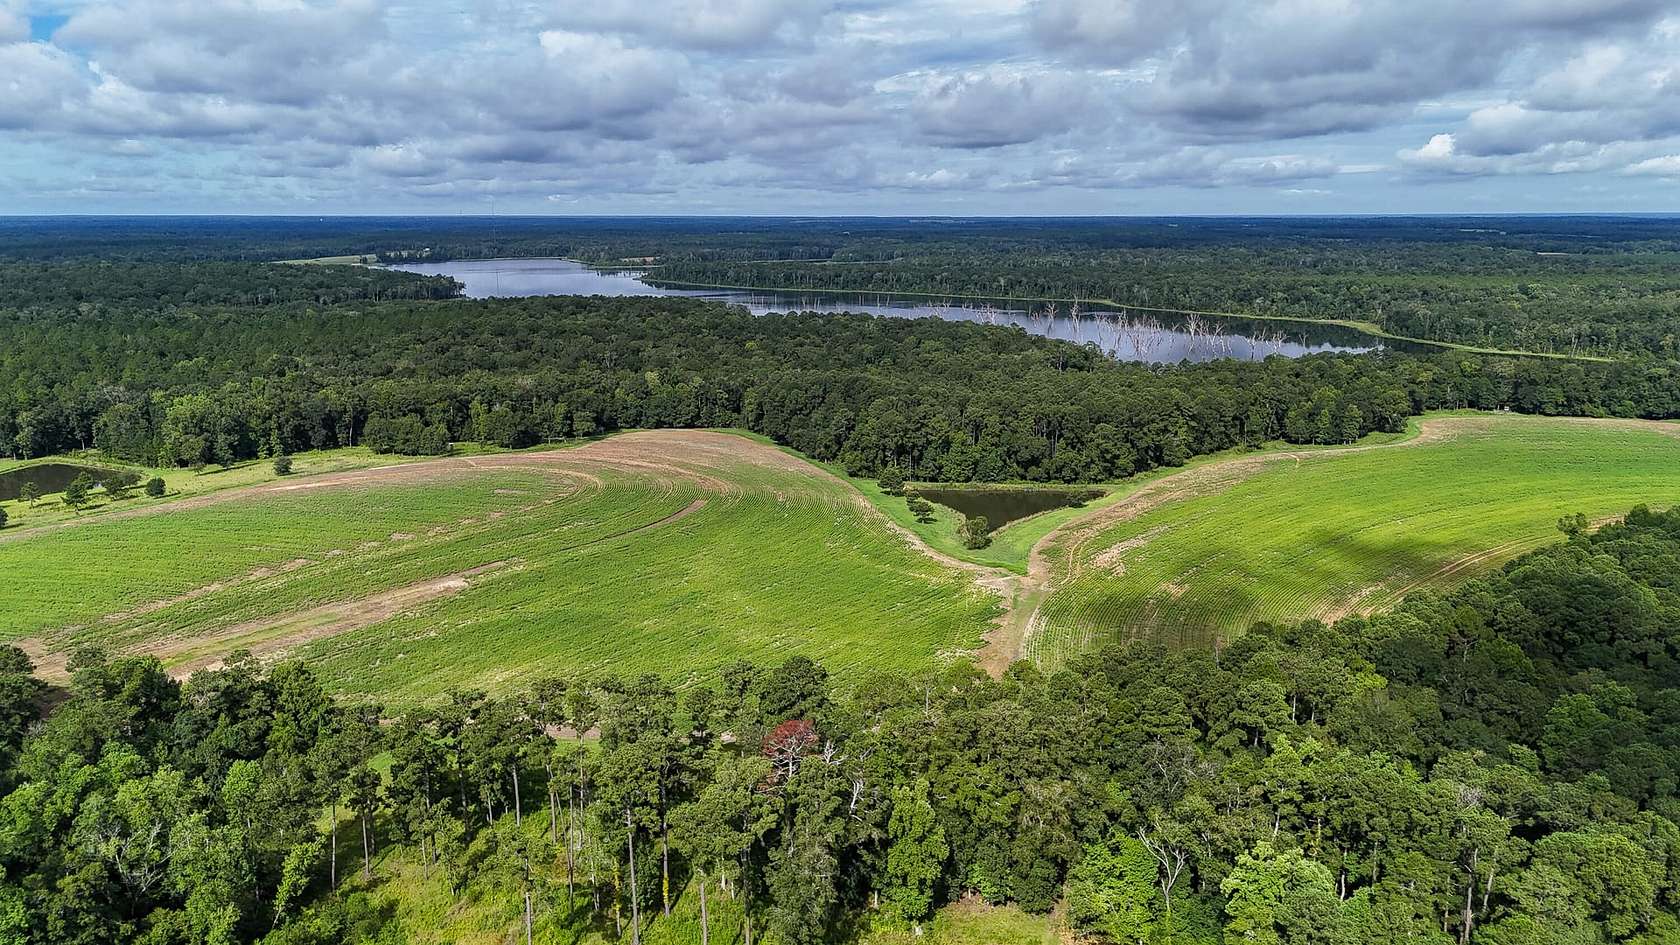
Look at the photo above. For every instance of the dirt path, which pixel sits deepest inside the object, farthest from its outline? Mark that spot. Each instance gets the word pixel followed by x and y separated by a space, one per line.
pixel 1065 544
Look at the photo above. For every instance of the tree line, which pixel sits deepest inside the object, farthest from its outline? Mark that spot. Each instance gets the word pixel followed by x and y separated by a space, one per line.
pixel 930 399
pixel 27 289
pixel 1565 284
pixel 1598 305
pixel 1497 764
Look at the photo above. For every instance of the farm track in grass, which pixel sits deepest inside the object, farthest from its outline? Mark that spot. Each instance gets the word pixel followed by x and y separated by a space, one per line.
pixel 1202 554
pixel 663 551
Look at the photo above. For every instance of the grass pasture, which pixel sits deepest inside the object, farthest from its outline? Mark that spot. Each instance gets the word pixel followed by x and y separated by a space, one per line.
pixel 1292 535
pixel 670 552
pixel 178 483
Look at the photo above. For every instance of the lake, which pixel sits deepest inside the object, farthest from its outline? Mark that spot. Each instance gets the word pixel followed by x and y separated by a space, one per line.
pixel 1126 335
pixel 1000 506
pixel 47 477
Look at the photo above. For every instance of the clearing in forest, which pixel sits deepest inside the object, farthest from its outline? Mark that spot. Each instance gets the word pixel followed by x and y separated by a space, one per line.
pixel 1203 554
pixel 663 551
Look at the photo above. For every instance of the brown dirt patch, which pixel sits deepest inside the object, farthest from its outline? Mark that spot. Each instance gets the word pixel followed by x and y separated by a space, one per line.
pixel 272 636
pixel 1113 559
pixel 269 636
pixel 255 574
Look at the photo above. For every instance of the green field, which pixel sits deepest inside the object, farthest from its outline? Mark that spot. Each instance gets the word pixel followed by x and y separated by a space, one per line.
pixel 178 483
pixel 1287 536
pixel 1012 546
pixel 680 551
pixel 672 552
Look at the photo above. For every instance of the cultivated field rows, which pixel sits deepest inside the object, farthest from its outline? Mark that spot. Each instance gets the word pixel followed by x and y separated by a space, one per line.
pixel 681 551
pixel 645 552
pixel 1327 534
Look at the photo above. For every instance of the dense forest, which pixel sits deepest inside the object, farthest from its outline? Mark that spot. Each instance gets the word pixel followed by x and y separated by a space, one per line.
pixel 1508 299
pixel 27 288
pixel 1563 284
pixel 1495 765
pixel 937 400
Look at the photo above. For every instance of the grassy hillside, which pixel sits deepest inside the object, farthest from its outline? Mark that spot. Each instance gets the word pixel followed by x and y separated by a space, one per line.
pixel 178 483
pixel 1284 536
pixel 1012 545
pixel 673 552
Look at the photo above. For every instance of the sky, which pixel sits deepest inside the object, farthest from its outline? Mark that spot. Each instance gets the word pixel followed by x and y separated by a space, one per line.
pixel 888 107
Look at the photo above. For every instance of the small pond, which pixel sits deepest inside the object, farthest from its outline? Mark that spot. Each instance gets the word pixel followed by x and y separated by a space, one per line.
pixel 47 477
pixel 1000 506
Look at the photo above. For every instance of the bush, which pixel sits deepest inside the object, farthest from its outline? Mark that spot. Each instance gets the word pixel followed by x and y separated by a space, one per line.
pixel 975 532
pixel 155 487
pixel 119 481
pixel 282 465
pixel 2 518
pixel 76 493
pixel 892 481
pixel 919 507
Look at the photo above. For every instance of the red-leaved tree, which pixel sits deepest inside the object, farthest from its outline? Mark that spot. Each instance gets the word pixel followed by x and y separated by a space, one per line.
pixel 788 743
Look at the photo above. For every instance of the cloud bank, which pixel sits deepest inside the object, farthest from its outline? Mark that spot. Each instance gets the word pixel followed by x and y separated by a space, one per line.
pixel 859 106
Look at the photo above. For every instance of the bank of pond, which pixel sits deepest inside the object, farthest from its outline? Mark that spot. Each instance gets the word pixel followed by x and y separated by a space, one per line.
pixel 1000 505
pixel 48 477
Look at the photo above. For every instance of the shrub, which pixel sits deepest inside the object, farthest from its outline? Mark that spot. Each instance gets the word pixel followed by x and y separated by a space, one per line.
pixel 119 481
pixel 155 487
pixel 892 481
pixel 975 532
pixel 282 465
pixel 76 493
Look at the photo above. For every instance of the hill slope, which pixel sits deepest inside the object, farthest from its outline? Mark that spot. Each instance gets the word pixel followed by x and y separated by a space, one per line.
pixel 1287 536
pixel 670 551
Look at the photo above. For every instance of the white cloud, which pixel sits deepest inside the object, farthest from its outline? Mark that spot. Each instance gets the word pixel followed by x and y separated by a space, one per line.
pixel 36 82
pixel 400 160
pixel 995 108
pixel 1610 104
pixel 289 52
pixel 14 27
pixel 769 103
pixel 703 24
pixel 1668 165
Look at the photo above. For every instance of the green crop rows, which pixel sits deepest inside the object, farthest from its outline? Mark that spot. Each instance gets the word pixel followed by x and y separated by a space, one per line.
pixel 1327 534
pixel 589 568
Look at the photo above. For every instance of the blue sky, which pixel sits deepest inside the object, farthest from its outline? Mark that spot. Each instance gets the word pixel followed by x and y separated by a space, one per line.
pixel 839 106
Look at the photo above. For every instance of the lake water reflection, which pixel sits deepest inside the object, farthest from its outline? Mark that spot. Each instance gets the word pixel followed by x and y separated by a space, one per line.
pixel 1122 334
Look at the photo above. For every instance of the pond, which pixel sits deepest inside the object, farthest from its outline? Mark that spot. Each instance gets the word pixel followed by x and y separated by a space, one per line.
pixel 47 477
pixel 1126 335
pixel 1000 506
